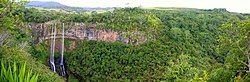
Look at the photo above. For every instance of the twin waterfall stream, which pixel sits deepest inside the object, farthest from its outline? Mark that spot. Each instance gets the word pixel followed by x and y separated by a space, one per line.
pixel 52 51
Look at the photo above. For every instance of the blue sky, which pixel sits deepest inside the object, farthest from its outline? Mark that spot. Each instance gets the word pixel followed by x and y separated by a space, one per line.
pixel 242 6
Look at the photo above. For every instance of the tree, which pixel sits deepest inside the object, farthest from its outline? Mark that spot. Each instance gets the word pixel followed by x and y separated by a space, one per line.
pixel 235 42
pixel 11 20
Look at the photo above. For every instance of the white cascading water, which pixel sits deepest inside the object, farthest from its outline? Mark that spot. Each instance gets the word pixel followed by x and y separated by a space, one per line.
pixel 52 49
pixel 63 73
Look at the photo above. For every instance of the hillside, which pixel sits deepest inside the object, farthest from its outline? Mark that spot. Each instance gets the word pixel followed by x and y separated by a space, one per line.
pixel 50 4
pixel 56 5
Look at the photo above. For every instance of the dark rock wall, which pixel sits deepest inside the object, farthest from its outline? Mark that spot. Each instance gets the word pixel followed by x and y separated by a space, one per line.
pixel 76 31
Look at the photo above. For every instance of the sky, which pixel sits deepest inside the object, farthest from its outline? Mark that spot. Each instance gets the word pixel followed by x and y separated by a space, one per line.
pixel 242 6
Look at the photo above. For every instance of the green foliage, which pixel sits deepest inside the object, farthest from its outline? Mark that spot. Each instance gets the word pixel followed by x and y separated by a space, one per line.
pixel 39 16
pixel 185 45
pixel 15 42
pixel 19 56
pixel 17 73
pixel 181 69
pixel 71 78
pixel 93 61
pixel 234 45
pixel 182 45
pixel 202 78
pixel 40 52
pixel 11 31
pixel 221 75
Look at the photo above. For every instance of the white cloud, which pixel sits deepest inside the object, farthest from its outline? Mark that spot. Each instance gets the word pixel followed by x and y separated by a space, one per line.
pixel 231 5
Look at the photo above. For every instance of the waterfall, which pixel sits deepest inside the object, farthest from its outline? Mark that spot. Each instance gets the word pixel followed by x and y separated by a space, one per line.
pixel 62 51
pixel 52 48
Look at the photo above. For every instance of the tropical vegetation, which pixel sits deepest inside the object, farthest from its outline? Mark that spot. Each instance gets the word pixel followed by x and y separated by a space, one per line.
pixel 183 44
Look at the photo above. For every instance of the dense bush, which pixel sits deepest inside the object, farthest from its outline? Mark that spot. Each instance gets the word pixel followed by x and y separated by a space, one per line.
pixel 93 61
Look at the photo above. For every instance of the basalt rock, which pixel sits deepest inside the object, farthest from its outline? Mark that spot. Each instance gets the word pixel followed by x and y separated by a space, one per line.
pixel 80 31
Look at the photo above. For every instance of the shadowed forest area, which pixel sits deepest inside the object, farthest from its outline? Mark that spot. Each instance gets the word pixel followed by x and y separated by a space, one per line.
pixel 123 44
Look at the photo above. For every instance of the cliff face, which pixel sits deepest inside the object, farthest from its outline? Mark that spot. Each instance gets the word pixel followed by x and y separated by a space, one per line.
pixel 80 31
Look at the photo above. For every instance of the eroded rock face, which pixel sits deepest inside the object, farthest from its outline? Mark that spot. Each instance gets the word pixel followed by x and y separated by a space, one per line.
pixel 80 31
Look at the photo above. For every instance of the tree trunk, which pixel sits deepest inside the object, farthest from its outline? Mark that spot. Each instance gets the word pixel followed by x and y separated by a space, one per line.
pixel 248 65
